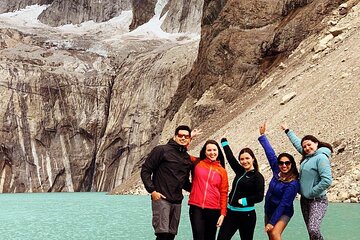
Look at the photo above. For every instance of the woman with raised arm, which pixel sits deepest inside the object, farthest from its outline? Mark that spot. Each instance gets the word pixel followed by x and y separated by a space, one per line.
pixel 315 179
pixel 247 189
pixel 209 191
pixel 283 187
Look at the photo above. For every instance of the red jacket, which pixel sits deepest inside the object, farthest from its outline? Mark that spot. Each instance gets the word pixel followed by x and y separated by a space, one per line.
pixel 209 186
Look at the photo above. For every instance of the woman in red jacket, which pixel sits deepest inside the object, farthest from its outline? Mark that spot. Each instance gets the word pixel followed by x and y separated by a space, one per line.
pixel 208 197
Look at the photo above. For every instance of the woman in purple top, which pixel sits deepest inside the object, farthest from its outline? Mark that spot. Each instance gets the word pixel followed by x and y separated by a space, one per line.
pixel 282 191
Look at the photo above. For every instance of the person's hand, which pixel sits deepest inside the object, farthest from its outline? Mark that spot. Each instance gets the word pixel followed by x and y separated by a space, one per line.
pixel 268 227
pixel 156 196
pixel 223 140
pixel 196 132
pixel 262 128
pixel 220 221
pixel 284 126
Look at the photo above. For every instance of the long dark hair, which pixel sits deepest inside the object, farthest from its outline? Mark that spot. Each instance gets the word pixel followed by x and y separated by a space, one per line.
pixel 220 156
pixel 249 151
pixel 293 173
pixel 315 140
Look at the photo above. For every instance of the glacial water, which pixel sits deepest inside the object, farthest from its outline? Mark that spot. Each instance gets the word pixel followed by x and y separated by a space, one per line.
pixel 90 216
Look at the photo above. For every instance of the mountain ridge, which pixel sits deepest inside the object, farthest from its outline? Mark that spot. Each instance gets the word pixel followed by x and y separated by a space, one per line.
pixel 83 104
pixel 318 77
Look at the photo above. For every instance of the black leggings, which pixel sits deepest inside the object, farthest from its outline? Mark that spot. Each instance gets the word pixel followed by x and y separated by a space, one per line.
pixel 203 222
pixel 242 221
pixel 165 236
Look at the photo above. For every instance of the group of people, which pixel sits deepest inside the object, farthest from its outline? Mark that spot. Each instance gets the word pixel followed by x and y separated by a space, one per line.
pixel 169 168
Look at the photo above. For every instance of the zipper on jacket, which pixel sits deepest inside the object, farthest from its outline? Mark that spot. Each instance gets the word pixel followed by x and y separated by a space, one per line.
pixel 236 187
pixel 206 186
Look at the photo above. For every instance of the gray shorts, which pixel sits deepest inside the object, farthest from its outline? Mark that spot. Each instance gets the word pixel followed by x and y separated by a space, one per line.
pixel 166 216
pixel 283 218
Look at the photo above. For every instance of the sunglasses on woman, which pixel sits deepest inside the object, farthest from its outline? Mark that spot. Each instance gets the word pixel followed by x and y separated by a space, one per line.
pixel 287 163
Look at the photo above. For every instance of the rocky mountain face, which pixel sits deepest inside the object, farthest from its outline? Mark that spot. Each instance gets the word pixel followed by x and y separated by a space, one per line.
pixel 241 41
pixel 308 81
pixel 81 109
pixel 143 11
pixel 71 12
pixel 183 16
pixel 77 11
pixel 13 5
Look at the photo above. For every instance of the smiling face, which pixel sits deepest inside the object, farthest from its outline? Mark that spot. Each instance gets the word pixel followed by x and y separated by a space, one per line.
pixel 246 161
pixel 284 165
pixel 309 146
pixel 182 137
pixel 211 152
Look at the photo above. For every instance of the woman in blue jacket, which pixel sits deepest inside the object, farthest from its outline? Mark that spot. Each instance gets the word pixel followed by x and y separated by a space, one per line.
pixel 283 187
pixel 315 179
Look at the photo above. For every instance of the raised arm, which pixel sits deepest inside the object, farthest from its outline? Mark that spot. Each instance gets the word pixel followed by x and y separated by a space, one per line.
pixel 194 133
pixel 295 140
pixel 269 151
pixel 234 164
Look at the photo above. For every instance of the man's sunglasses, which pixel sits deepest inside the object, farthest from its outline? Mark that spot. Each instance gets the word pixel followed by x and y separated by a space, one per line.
pixel 186 136
pixel 287 163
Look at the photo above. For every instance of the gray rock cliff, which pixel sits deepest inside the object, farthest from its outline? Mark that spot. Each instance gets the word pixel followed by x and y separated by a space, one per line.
pixel 241 41
pixel 77 11
pixel 183 16
pixel 13 5
pixel 80 110
pixel 143 11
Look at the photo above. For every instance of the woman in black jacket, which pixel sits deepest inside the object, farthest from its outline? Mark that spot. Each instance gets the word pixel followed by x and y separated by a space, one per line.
pixel 247 189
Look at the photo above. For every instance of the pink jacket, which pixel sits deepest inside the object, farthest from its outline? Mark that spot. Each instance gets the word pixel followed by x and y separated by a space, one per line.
pixel 209 186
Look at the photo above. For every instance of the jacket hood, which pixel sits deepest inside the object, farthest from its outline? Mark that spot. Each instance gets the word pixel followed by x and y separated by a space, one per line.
pixel 324 150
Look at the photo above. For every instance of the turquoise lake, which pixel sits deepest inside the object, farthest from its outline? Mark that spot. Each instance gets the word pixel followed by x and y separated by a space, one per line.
pixel 91 216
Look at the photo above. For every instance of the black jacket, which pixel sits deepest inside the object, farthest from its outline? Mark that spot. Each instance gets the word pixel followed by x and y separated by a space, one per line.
pixel 249 185
pixel 167 170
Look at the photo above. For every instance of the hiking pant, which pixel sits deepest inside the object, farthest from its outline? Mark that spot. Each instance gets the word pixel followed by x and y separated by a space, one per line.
pixel 166 219
pixel 242 221
pixel 203 222
pixel 313 211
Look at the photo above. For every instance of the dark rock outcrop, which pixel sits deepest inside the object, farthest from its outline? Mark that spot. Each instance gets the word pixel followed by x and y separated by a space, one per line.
pixel 77 11
pixel 242 40
pixel 143 11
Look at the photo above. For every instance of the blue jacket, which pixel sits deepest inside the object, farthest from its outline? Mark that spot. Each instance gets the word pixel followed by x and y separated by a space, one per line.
pixel 280 195
pixel 315 170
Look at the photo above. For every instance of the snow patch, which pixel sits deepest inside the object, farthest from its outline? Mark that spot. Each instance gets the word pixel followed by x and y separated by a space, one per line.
pixel 119 24
pixel 160 6
pixel 114 30
pixel 25 17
